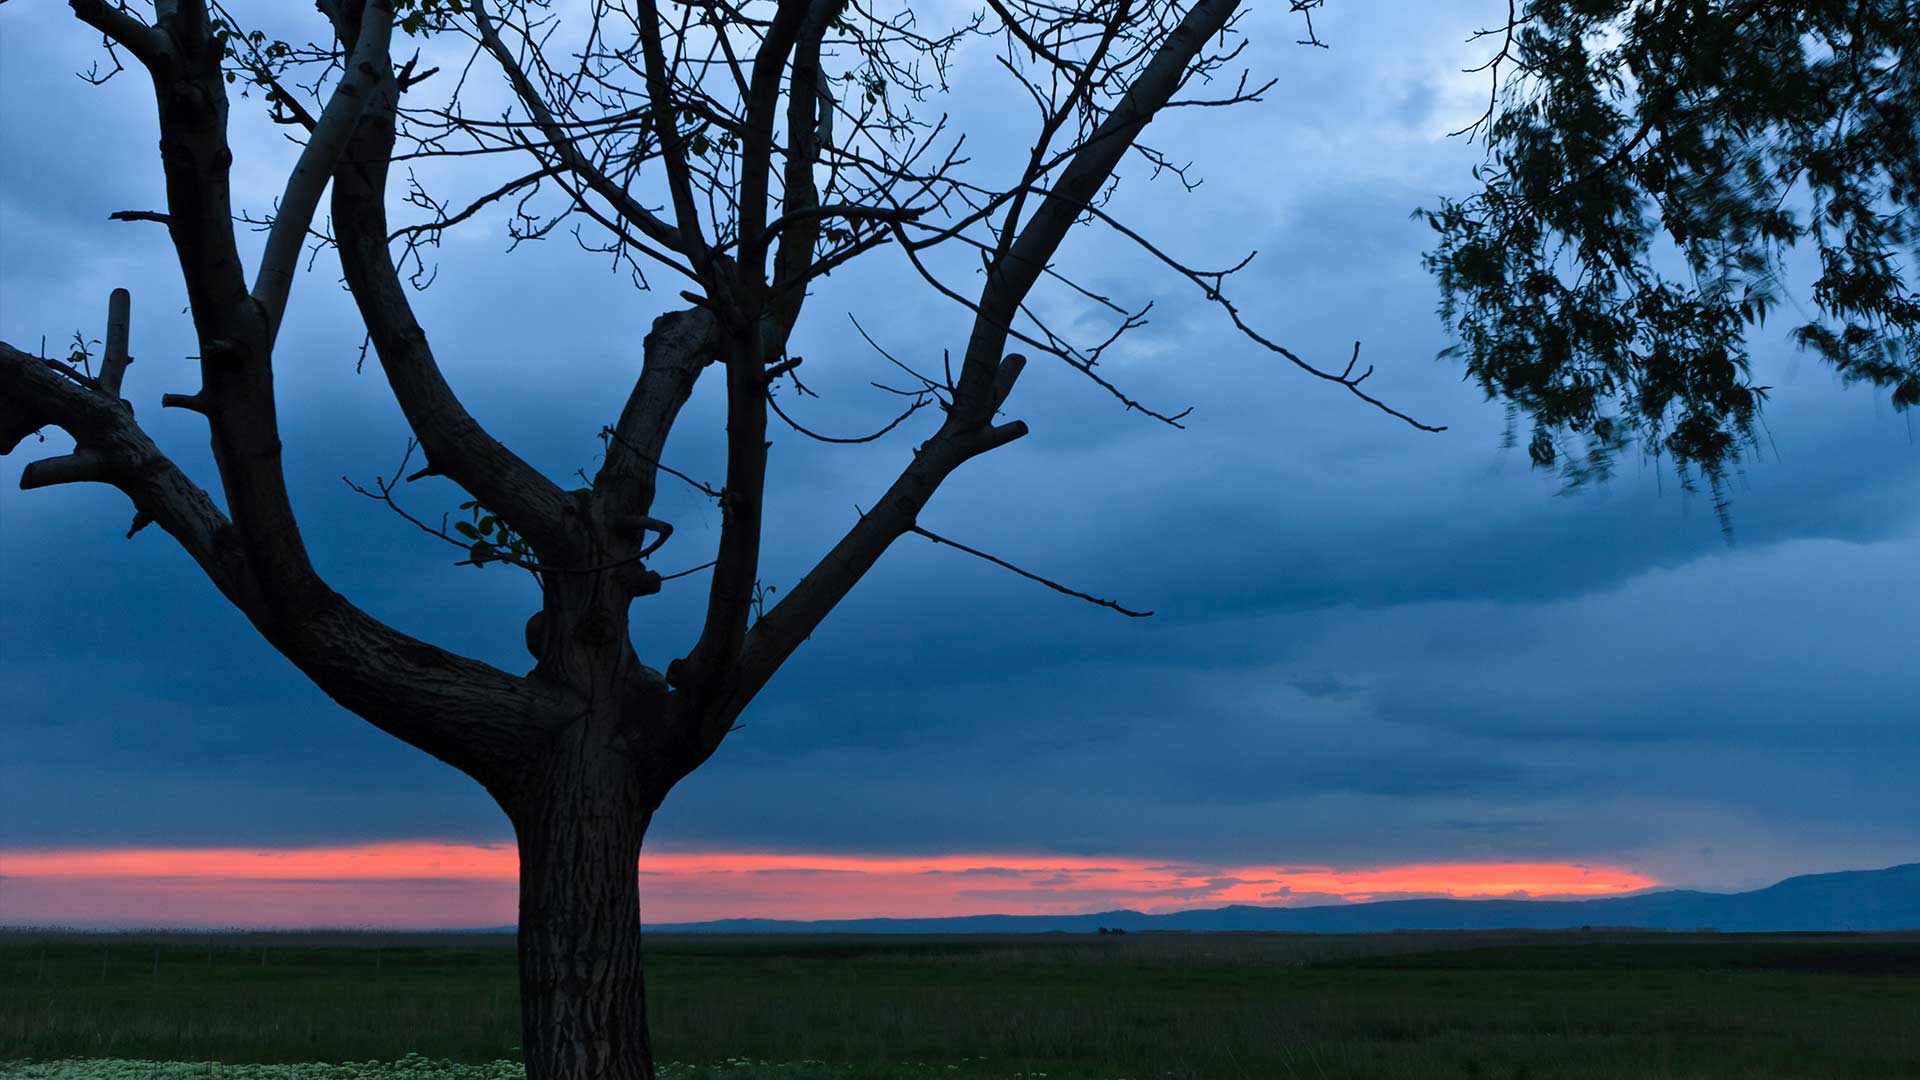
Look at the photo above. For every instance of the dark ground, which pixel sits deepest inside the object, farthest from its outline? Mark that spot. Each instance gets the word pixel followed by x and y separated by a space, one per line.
pixel 1139 1006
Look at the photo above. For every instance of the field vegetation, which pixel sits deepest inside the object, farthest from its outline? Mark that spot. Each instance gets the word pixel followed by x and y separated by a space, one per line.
pixel 1140 1007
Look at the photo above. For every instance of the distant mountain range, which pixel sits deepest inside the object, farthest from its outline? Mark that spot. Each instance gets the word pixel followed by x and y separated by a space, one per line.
pixel 1854 900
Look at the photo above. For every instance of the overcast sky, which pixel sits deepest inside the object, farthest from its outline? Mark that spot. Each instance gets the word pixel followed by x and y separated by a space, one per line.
pixel 1372 646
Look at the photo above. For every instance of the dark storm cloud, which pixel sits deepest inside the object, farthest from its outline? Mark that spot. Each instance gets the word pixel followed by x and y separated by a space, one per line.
pixel 1372 644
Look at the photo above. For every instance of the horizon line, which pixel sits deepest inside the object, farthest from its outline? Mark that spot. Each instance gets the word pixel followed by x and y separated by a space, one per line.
pixel 506 924
pixel 475 884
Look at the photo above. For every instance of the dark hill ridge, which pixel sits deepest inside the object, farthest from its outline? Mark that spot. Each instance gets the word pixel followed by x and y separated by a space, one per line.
pixel 1860 900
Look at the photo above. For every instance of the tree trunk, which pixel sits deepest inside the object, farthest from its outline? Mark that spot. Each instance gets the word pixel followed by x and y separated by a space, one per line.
pixel 583 1008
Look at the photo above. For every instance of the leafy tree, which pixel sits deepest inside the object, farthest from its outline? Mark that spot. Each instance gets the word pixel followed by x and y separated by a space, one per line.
pixel 1653 165
pixel 783 139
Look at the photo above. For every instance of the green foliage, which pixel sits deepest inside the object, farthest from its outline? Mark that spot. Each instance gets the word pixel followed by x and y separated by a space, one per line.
pixel 490 540
pixel 422 17
pixel 1652 163
pixel 80 353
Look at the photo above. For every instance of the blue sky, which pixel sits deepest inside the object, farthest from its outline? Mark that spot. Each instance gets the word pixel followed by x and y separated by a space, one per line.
pixel 1373 645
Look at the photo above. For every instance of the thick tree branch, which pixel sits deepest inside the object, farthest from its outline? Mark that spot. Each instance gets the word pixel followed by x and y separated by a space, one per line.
pixel 112 449
pixel 464 712
pixel 1011 278
pixel 752 337
pixel 674 352
pixel 798 227
pixel 147 44
pixel 730 594
pixel 761 105
pixel 455 444
pixel 81 466
pixel 666 129
pixel 115 358
pixel 781 630
pixel 233 328
pixel 365 69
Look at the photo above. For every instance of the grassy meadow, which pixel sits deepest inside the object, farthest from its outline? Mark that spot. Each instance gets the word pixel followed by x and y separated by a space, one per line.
pixel 1139 1007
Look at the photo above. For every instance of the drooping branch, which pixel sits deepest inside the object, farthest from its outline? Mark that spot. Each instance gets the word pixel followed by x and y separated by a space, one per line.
pixel 431 230
pixel 1492 66
pixel 920 401
pixel 1212 286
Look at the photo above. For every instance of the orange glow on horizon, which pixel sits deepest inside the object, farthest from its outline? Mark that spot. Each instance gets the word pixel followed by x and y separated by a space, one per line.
pixel 435 884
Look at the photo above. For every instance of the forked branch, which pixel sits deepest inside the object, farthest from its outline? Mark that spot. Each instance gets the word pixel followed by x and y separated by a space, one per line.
pixel 986 378
pixel 365 67
pixel 462 711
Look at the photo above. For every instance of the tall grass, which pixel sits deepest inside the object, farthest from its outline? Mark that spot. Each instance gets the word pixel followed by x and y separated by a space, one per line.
pixel 1143 1007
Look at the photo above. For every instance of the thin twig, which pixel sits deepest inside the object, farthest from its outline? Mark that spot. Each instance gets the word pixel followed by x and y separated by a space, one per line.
pixel 1029 575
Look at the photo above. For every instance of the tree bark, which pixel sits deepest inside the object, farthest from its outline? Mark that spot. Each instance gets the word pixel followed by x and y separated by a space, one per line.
pixel 580 822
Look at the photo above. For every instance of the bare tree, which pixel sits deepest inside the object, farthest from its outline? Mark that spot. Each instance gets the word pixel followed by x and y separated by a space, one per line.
pixel 738 151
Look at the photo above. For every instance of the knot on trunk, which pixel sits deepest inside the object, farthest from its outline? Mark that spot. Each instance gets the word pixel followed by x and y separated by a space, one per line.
pixel 537 634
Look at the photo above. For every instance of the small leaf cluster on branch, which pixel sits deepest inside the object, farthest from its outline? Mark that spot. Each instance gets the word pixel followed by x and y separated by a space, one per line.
pixel 491 539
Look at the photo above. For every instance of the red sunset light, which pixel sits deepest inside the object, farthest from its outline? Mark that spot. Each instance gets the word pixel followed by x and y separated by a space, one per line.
pixel 429 884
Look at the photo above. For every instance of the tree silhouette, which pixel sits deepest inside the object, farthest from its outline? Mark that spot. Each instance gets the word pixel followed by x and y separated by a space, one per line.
pixel 780 140
pixel 1652 166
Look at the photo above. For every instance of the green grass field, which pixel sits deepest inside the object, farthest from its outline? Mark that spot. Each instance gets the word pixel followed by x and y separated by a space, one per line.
pixel 1142 1007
